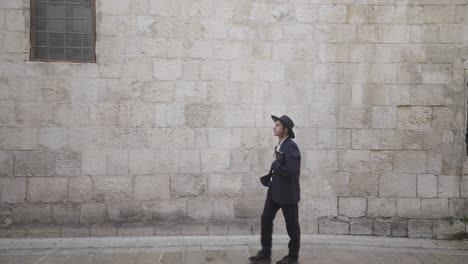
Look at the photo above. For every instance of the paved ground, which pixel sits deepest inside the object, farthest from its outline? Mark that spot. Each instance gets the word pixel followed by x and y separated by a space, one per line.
pixel 219 250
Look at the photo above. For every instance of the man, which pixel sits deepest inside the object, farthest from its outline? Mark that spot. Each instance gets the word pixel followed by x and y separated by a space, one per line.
pixel 283 192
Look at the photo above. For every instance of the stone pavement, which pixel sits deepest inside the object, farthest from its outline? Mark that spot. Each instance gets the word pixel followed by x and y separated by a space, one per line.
pixel 316 249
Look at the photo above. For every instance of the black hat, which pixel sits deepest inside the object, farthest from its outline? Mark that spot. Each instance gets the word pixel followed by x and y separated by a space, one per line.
pixel 287 122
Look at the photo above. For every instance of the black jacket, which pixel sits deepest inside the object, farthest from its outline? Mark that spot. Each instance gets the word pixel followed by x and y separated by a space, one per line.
pixel 285 187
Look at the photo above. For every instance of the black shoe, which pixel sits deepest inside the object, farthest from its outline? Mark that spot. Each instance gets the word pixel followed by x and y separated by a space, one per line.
pixel 260 258
pixel 288 260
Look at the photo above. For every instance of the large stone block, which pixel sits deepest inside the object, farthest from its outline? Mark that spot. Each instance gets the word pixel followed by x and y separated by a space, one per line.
pixel 31 214
pixel 152 187
pixel 353 117
pixel 80 189
pixel 213 160
pixel 196 113
pixel 93 163
pixel 13 190
pixel 225 185
pixel 92 213
pixel 169 161
pixel 444 229
pixel 34 163
pixel 419 228
pixel 381 161
pixel 384 117
pixel 124 211
pixel 448 186
pixel 117 162
pixel 352 207
pixel 354 160
pixel 47 189
pixel 67 163
pixel 188 185
pixel 167 69
pixel 410 161
pixel 397 185
pixel 382 227
pixel 414 117
pixel 363 184
pixel 434 208
pixel 381 207
pixel 399 227
pixel 112 187
pixel 63 214
pixel 427 185
pixel 321 160
pixel 333 225
pixel 361 226
pixel 408 207
pixel 174 209
pixel 365 139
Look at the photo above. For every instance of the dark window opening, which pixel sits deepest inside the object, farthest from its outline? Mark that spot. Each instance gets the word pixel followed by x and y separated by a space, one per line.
pixel 63 30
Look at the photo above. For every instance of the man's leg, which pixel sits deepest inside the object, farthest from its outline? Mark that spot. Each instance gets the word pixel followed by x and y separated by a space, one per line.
pixel 269 212
pixel 291 217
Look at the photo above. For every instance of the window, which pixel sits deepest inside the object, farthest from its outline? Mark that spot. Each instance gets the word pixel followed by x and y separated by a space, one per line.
pixel 63 30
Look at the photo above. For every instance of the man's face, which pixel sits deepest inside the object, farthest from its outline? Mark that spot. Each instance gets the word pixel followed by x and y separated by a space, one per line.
pixel 279 129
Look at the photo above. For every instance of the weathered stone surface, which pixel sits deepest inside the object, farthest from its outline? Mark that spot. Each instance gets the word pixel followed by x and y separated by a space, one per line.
pixel 381 227
pixel 361 226
pixel 434 208
pixel 333 226
pixel 47 189
pixel 381 207
pixel 427 185
pixel 399 227
pixel 92 213
pixel 188 185
pixel 352 207
pixel 446 229
pixel 63 214
pixel 34 163
pixel 410 161
pixel 408 207
pixel 419 228
pixel 397 185
pixel 31 214
pixel 164 210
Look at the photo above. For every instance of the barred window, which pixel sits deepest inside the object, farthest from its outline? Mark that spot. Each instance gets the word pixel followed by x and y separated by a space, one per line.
pixel 63 30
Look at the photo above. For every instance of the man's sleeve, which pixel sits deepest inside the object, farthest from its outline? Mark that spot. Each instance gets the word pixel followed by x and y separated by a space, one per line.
pixel 291 163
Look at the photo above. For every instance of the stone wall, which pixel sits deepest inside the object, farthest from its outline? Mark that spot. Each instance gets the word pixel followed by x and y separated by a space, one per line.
pixel 169 131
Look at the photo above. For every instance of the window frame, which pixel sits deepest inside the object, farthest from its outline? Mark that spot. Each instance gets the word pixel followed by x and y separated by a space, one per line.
pixel 32 36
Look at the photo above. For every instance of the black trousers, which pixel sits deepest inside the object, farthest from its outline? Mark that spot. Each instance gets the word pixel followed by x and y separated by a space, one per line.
pixel 291 217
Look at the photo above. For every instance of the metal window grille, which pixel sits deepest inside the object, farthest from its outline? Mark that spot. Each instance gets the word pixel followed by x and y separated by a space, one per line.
pixel 63 30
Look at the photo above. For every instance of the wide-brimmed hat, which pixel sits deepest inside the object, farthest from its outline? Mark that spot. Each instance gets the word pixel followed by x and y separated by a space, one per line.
pixel 287 122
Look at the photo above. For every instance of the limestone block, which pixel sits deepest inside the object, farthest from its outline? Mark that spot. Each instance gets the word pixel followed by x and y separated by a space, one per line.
pixel 410 161
pixel 363 184
pixel 381 161
pixel 199 208
pixel 333 226
pixel 382 14
pixel 67 163
pixel 332 13
pixel 369 33
pixel 73 115
pixel 323 116
pixel 213 160
pixel 400 94
pixel 395 33
pixel 330 52
pixel 33 114
pixel 243 71
pixel 365 139
pixel 381 207
pixel 212 70
pixel 142 115
pixel 427 185
pixel 18 138
pixel 408 207
pixel 141 161
pixel 196 113
pixel 223 185
pixel 352 207
pixel 173 209
pixel 448 186
pixel 320 206
pixel 358 14
pixel 222 209
pixel 167 69
pixel 384 117
pixel 53 138
pixel 63 214
pixel 240 160
pixel 354 160
pixel 381 227
pixel 117 162
pixel 437 73
pixel 424 33
pixel 248 208
pixel 47 189
pixel 419 228
pixel 188 185
pixel 152 187
pixel 434 208
pixel 397 185
pixel 443 229
pixel 439 14
pixel 270 72
pixel 445 118
pixel 391 139
pixel 464 186
pixel 410 73
pixel 15 42
pixel 13 190
pixel 361 226
pixel 166 161
pixel 124 211
pixel 239 116
pixel 80 189
pixel 31 214
pixel 223 138
pixel 458 208
pixel 93 162
pixel 327 138
pixel 333 184
pixel 44 231
pixel 321 160
pixel 75 231
pixel 112 187
pixel 399 227
pixel 353 117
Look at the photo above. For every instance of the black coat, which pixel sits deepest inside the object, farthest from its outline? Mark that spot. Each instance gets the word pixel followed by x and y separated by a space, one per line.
pixel 285 187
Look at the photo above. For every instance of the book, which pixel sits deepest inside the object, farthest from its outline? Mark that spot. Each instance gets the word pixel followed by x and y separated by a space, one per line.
pixel 279 155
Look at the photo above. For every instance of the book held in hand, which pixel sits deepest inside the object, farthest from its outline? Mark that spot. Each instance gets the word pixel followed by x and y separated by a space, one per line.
pixel 279 155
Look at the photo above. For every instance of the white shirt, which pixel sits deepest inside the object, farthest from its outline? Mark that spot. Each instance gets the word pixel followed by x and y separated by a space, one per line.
pixel 278 147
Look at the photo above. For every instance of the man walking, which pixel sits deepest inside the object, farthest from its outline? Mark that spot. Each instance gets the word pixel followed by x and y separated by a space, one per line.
pixel 283 192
